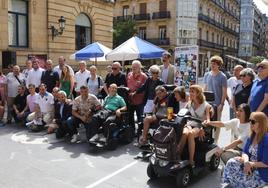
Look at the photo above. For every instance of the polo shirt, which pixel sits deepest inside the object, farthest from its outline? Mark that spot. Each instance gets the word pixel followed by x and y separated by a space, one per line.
pixel 46 103
pixel 50 78
pixel 34 77
pixel 81 79
pixel 119 79
pixel 258 90
pixel 114 102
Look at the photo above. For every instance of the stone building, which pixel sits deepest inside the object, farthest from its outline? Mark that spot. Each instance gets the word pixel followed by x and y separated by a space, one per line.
pixel 211 24
pixel 26 28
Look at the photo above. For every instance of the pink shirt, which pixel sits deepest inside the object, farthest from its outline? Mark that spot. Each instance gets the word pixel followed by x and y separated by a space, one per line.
pixel 134 82
pixel 31 101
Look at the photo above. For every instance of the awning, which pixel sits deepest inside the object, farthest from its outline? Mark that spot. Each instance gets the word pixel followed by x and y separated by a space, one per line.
pixel 240 60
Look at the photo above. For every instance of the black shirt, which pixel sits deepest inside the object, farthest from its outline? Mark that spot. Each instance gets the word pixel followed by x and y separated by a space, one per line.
pixel 119 79
pixel 50 78
pixel 242 94
pixel 20 101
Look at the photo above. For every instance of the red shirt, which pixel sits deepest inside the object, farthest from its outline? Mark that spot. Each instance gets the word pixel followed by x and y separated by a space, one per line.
pixel 133 83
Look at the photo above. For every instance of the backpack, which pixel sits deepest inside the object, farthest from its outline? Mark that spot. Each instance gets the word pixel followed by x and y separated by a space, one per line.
pixel 165 143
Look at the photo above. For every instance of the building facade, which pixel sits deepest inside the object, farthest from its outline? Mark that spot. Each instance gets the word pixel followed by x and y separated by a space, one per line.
pixel 26 28
pixel 253 27
pixel 211 24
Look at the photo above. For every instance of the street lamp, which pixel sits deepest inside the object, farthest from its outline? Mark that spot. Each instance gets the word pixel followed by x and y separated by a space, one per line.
pixel 56 32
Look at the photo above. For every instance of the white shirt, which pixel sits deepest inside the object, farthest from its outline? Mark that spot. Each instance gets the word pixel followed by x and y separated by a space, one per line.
pixel 232 83
pixel 239 130
pixel 81 79
pixel 26 72
pixel 46 103
pixel 57 69
pixel 34 77
pixel 12 84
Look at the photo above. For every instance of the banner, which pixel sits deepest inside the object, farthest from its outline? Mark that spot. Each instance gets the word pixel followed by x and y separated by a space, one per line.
pixel 186 62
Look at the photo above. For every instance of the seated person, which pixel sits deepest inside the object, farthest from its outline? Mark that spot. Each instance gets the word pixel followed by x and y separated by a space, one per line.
pixel 82 110
pixel 44 108
pixel 20 109
pixel 251 169
pixel 200 109
pixel 178 99
pixel 31 98
pixel 63 110
pixel 240 130
pixel 160 112
pixel 112 107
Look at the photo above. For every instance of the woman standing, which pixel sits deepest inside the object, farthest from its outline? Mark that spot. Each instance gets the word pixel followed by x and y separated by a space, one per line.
pixel 251 169
pixel 66 81
pixel 94 82
pixel 240 129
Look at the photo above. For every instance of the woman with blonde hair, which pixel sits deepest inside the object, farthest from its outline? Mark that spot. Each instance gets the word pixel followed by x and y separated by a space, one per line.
pixel 66 81
pixel 200 109
pixel 251 169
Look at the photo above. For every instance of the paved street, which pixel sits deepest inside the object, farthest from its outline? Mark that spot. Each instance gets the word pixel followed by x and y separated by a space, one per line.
pixel 38 160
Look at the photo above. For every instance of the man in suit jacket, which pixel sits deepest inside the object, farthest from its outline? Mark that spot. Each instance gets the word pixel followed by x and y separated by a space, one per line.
pixel 63 110
pixel 168 71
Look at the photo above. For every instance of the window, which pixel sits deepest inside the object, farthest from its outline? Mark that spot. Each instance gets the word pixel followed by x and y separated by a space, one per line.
pixel 142 33
pixel 18 23
pixel 212 37
pixel 207 37
pixel 162 5
pixel 162 32
pixel 125 11
pixel 200 33
pixel 83 31
pixel 143 8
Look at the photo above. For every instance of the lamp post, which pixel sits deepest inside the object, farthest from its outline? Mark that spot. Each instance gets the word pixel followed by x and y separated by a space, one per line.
pixel 56 32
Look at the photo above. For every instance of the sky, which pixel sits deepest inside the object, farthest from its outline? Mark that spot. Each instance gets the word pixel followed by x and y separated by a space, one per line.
pixel 263 8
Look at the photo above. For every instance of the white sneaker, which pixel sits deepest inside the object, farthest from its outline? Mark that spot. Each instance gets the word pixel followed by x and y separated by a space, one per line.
pixel 94 138
pixel 74 138
pixel 103 138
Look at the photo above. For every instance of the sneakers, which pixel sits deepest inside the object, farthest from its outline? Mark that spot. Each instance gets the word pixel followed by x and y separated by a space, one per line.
pixel 75 138
pixel 103 138
pixel 94 138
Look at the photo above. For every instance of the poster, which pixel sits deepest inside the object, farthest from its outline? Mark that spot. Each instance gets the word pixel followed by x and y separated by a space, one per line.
pixel 186 62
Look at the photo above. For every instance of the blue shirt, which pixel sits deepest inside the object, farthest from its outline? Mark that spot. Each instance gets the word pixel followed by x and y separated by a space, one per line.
pixel 258 90
pixel 215 83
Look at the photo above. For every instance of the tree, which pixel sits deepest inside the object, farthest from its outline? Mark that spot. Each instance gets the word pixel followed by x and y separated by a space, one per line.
pixel 123 30
pixel 256 59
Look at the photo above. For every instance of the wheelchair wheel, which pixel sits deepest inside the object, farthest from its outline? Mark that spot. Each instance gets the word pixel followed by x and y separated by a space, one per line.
pixel 150 172
pixel 111 144
pixel 214 163
pixel 128 135
pixel 183 178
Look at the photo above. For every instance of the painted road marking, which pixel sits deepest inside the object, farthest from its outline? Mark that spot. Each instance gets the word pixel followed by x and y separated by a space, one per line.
pixel 111 175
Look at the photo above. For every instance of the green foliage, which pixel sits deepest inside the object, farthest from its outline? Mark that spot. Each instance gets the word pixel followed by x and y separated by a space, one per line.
pixel 123 30
pixel 256 59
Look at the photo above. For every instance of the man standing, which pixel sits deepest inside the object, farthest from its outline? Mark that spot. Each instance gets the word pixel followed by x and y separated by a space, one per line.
pixel 50 77
pixel 81 77
pixel 14 79
pixel 59 67
pixel 168 71
pixel 116 77
pixel 34 75
pixel 82 110
pixel 216 82
pixel 135 80
pixel 28 68
pixel 232 83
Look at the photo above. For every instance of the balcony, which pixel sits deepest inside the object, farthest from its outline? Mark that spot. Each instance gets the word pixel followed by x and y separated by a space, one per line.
pixel 158 41
pixel 122 18
pixel 161 15
pixel 207 44
pixel 141 17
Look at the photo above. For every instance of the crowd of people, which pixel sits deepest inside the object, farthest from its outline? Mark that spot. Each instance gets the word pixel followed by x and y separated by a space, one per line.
pixel 60 100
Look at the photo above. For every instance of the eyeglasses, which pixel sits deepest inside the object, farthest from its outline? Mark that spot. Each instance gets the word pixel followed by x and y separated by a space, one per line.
pixel 252 121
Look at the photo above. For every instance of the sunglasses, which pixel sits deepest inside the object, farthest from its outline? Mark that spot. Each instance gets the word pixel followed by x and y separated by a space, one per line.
pixel 252 121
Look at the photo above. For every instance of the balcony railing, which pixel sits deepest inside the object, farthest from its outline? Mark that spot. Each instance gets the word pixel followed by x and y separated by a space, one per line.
pixel 123 18
pixel 216 24
pixel 161 15
pixel 138 17
pixel 216 46
pixel 224 8
pixel 159 41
